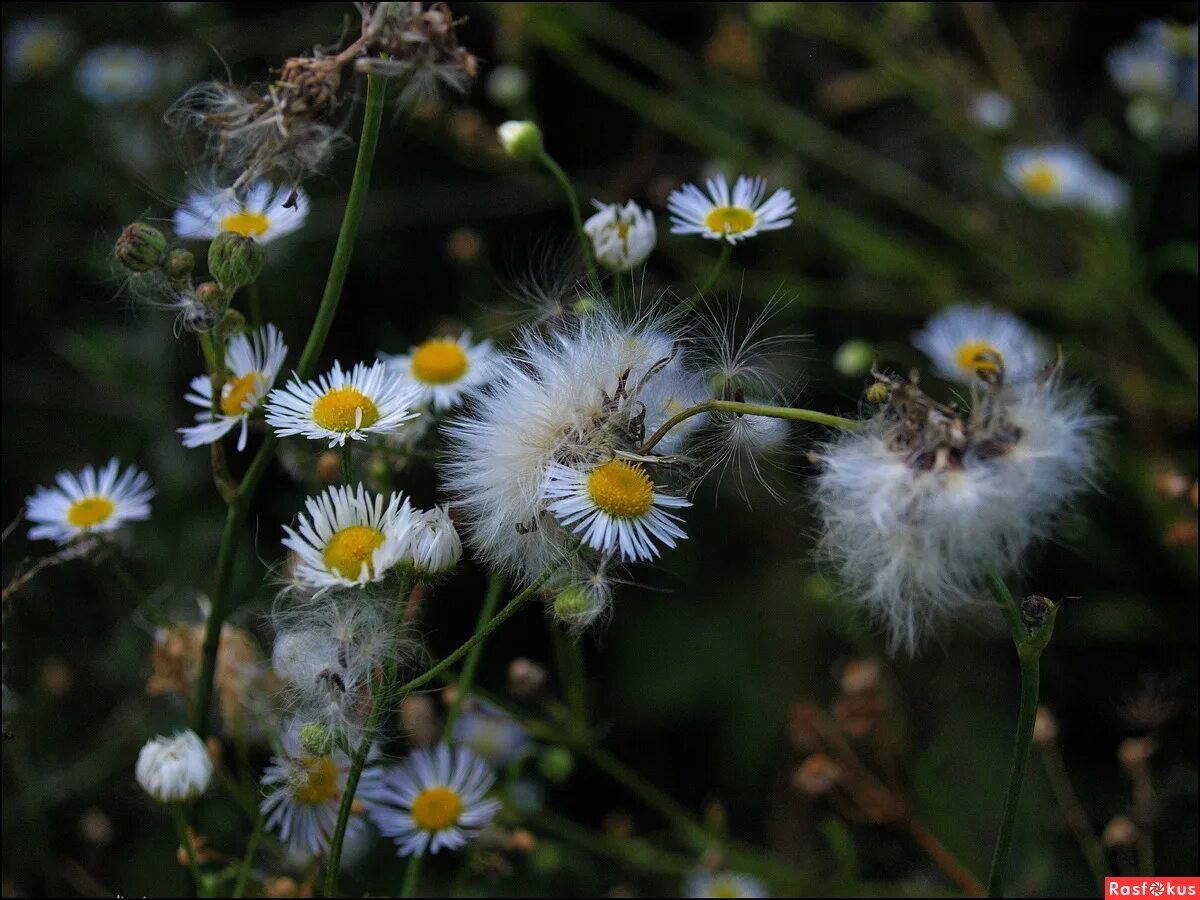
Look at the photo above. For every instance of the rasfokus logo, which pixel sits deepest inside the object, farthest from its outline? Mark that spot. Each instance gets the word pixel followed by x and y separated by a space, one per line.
pixel 1174 886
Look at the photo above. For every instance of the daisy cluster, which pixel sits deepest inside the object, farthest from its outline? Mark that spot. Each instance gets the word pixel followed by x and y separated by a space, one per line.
pixel 926 501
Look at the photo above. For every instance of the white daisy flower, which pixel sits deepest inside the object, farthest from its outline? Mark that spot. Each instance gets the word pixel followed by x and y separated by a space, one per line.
pixel 614 508
pixel 991 110
pixel 730 217
pixel 622 236
pixel 344 406
pixel 724 884
pixel 89 503
pixel 35 47
pixel 253 361
pixel 445 370
pixel 116 74
pixel 1158 62
pixel 435 547
pixel 305 792
pixel 1061 175
pixel 966 342
pixel 435 799
pixel 350 537
pixel 174 769
pixel 265 212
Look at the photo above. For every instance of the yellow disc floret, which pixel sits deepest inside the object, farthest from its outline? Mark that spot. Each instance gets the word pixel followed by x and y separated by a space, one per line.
pixel 89 511
pixel 439 362
pixel 436 808
pixel 247 223
pixel 978 356
pixel 318 783
pixel 237 391
pixel 349 548
pixel 1042 180
pixel 621 489
pixel 730 220
pixel 339 410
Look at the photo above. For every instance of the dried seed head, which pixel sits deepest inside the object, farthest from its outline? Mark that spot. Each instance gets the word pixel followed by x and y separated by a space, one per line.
pixel 419 43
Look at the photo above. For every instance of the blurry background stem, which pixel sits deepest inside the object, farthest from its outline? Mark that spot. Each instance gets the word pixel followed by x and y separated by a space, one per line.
pixel 239 887
pixel 185 844
pixel 572 676
pixel 1072 810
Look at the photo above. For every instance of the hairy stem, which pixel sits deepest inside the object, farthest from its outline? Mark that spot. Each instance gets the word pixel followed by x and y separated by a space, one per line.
pixel 747 409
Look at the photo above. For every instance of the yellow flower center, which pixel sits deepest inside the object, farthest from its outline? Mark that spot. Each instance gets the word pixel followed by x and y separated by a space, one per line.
pixel 349 548
pixel 1042 180
pixel 320 784
pixel 89 511
pixel 730 220
pixel 623 230
pixel 621 489
pixel 247 223
pixel 436 808
pixel 237 391
pixel 978 356
pixel 724 889
pixel 439 362
pixel 339 410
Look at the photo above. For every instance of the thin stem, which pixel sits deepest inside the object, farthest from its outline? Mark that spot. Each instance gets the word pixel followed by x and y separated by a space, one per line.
pixel 747 409
pixel 347 462
pixel 254 300
pixel 572 677
pixel 238 510
pixel 185 839
pixel 585 245
pixel 715 273
pixel 634 852
pixel 1029 646
pixel 239 888
pixel 123 576
pixel 412 875
pixel 463 687
pixel 1073 812
pixel 944 859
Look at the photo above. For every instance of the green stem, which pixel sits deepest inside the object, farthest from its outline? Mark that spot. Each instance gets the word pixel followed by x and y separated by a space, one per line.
pixel 185 840
pixel 239 508
pixel 347 462
pixel 716 272
pixel 394 697
pixel 572 676
pixel 254 300
pixel 748 409
pixel 1029 651
pixel 1073 812
pixel 585 245
pixel 239 888
pixel 412 875
pixel 463 687
pixel 125 578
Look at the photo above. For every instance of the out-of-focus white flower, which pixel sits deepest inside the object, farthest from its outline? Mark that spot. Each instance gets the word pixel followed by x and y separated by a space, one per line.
pixel 116 74
pixel 253 361
pixel 965 341
pixel 35 47
pixel 1061 175
pixel 992 110
pixel 445 370
pixel 729 216
pixel 622 236
pixel 507 85
pixel 724 884
pixel 264 212
pixel 1158 62
pixel 436 799
pixel 341 406
pixel 350 537
pixel 174 769
pixel 491 735
pixel 89 503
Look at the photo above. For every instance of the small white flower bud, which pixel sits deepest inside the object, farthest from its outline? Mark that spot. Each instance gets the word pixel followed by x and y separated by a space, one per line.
pixel 174 769
pixel 521 140
pixel 436 546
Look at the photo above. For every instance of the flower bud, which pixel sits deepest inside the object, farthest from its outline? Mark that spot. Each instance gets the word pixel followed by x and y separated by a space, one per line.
pixel 525 677
pixel 521 140
pixel 556 764
pixel 574 603
pixel 1045 727
pixel 210 296
pixel 179 264
pixel 853 359
pixel 140 247
pixel 1119 832
pixel 317 739
pixel 174 769
pixel 877 393
pixel 234 259
pixel 817 775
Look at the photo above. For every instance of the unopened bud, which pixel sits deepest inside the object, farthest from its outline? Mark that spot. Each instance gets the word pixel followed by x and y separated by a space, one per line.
pixel 853 359
pixel 234 259
pixel 817 775
pixel 525 677
pixel 140 247
pixel 860 676
pixel 574 603
pixel 1035 608
pixel 317 739
pixel 522 841
pixel 877 393
pixel 1135 752
pixel 179 264
pixel 556 764
pixel 521 140
pixel 1045 727
pixel 211 297
pixel 1119 832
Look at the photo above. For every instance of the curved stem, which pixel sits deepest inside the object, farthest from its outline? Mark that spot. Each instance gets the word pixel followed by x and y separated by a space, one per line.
pixel 463 687
pixel 748 409
pixel 239 508
pixel 1073 812
pixel 585 245
pixel 239 887
pixel 387 698
pixel 715 273
pixel 1029 644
